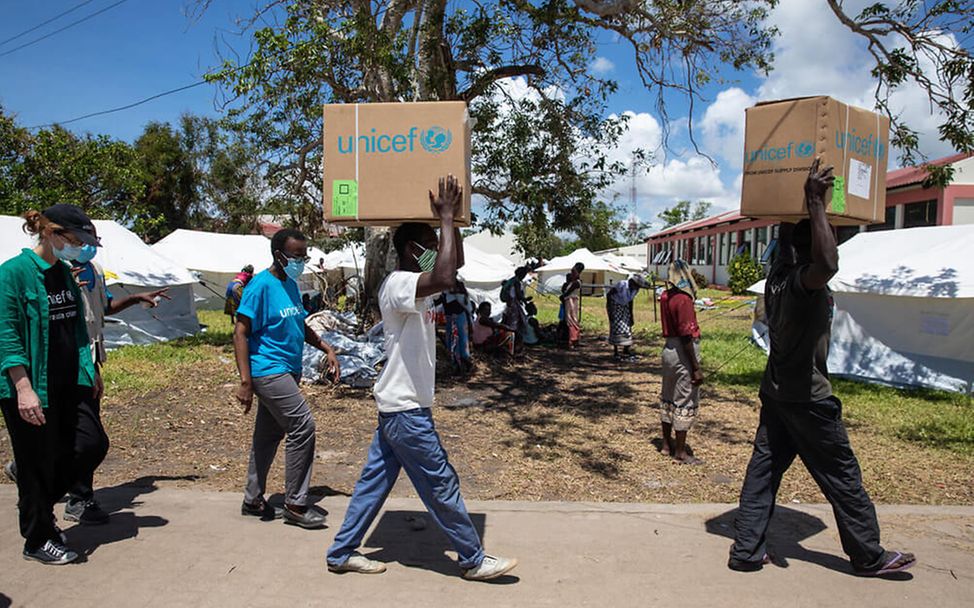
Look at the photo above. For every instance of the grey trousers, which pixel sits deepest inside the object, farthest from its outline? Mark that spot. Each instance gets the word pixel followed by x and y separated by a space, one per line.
pixel 281 412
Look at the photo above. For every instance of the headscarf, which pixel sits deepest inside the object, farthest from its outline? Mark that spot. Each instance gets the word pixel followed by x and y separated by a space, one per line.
pixel 680 277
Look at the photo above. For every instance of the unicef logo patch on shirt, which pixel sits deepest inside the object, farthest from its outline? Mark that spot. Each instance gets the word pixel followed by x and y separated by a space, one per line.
pixel 436 140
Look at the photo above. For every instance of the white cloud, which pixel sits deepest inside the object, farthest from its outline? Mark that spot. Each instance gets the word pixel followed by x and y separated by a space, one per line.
pixel 602 66
pixel 723 125
pixel 815 55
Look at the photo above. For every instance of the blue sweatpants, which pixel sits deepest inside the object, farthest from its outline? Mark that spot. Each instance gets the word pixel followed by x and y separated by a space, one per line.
pixel 408 440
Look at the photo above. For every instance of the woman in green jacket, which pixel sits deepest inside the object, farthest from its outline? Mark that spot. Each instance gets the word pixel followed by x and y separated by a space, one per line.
pixel 46 371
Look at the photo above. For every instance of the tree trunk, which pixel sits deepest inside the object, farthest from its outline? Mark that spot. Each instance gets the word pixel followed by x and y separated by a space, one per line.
pixel 380 260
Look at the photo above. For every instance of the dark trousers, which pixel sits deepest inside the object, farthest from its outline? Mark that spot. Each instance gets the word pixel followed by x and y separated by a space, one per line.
pixel 815 433
pixel 45 464
pixel 90 448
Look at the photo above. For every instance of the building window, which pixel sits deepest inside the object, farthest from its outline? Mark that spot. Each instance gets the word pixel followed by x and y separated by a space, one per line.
pixel 722 247
pixel 920 214
pixel 701 250
pixel 890 222
pixel 709 251
pixel 761 237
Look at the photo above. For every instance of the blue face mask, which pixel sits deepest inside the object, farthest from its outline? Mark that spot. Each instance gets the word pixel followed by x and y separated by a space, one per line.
pixel 293 268
pixel 68 253
pixel 88 253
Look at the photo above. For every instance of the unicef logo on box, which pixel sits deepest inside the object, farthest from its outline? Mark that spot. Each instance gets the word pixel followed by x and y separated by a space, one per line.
pixel 805 149
pixel 436 140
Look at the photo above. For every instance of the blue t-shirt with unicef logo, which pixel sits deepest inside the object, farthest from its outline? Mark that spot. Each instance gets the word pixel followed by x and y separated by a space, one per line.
pixel 276 325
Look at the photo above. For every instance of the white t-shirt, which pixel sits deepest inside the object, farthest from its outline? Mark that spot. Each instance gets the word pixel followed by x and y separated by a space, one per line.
pixel 407 380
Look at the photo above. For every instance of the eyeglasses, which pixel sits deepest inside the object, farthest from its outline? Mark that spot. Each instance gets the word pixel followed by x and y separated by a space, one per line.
pixel 304 259
pixel 67 236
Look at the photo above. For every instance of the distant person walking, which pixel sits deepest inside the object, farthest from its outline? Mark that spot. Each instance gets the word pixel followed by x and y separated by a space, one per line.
pixel 235 291
pixel 406 437
pixel 571 300
pixel 268 341
pixel 619 307
pixel 47 371
pixel 682 374
pixel 800 416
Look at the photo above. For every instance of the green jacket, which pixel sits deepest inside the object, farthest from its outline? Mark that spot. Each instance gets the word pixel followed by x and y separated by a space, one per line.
pixel 24 325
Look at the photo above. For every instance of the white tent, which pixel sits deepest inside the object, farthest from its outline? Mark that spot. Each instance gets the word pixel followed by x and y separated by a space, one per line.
pixel 504 244
pixel 217 258
pixel 598 271
pixel 623 262
pixel 904 308
pixel 130 266
pixel 483 273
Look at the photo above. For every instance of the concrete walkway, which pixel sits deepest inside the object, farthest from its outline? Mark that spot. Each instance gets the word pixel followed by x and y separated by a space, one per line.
pixel 171 547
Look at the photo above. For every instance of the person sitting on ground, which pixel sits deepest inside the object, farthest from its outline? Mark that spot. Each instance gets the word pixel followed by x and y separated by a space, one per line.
pixel 406 436
pixel 800 416
pixel 268 342
pixel 235 291
pixel 682 374
pixel 489 335
pixel 618 304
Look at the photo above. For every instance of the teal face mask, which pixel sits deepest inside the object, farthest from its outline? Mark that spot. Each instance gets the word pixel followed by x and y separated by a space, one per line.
pixel 88 253
pixel 427 259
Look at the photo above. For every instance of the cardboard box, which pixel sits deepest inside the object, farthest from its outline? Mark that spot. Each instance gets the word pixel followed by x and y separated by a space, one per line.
pixel 381 159
pixel 781 140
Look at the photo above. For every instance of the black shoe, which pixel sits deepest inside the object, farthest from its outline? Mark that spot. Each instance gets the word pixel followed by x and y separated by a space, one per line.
pixel 309 520
pixel 85 512
pixel 11 470
pixel 261 509
pixel 51 553
pixel 739 565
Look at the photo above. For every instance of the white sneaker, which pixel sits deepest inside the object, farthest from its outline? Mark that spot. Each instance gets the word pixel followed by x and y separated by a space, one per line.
pixel 359 563
pixel 491 567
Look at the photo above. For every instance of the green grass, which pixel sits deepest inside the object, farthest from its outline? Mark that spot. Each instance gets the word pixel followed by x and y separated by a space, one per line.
pixel 934 419
pixel 138 369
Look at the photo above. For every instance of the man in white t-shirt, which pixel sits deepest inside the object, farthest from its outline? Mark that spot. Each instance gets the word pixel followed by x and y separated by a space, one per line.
pixel 406 436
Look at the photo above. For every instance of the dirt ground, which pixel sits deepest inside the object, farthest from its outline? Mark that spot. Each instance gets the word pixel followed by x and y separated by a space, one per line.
pixel 556 425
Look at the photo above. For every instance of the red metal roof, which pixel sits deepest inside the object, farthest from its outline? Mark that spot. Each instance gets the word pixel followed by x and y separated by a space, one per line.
pixel 727 216
pixel 914 175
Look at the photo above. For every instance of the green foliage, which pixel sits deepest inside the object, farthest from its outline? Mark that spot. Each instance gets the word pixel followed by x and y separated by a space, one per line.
pixel 198 175
pixel 744 271
pixel 700 280
pixel 684 211
pixel 540 142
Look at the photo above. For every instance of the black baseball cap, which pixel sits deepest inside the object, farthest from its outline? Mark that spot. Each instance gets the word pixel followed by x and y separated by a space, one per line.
pixel 74 220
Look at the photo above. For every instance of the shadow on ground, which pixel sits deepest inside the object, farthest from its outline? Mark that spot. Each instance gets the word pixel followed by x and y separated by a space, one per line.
pixel 123 524
pixel 786 532
pixel 415 541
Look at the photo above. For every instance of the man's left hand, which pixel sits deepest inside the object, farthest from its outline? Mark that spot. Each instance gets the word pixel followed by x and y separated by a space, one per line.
pixel 152 297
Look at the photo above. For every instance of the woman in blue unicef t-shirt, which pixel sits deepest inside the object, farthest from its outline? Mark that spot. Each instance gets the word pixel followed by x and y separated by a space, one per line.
pixel 268 340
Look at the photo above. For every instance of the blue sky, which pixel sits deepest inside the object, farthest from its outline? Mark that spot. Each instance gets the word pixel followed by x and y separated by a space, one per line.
pixel 144 47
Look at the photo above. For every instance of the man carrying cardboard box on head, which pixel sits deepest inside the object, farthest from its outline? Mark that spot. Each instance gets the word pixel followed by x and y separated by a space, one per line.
pixel 799 414
pixel 406 437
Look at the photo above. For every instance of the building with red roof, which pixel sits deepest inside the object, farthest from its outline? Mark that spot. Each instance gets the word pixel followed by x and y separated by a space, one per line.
pixel 710 244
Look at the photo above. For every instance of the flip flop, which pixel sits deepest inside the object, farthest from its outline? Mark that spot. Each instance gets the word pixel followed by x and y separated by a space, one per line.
pixel 691 460
pixel 891 567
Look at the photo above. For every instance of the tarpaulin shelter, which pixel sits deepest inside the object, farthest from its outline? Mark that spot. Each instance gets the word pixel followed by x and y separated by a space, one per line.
pixel 904 308
pixel 130 267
